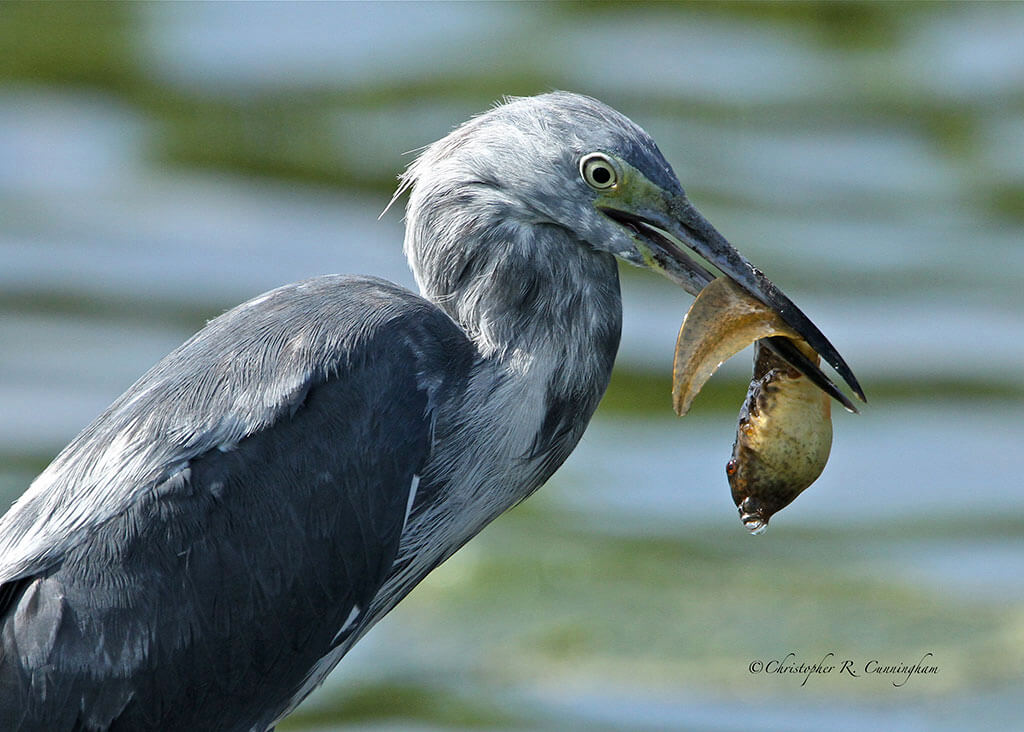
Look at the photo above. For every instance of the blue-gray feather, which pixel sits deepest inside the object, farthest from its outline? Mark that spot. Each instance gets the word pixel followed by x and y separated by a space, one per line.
pixel 260 550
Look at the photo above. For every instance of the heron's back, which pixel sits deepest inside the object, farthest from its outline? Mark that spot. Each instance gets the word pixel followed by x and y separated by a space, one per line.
pixel 197 588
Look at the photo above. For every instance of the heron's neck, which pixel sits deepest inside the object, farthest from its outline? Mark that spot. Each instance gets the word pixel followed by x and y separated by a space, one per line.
pixel 540 305
pixel 545 314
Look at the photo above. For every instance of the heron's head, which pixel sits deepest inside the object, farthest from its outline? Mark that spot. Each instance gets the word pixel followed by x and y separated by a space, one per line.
pixel 567 163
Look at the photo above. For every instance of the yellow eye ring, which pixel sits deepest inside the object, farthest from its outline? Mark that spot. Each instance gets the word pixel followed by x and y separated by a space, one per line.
pixel 598 172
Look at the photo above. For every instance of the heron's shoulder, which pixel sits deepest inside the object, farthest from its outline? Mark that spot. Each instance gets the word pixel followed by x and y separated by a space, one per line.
pixel 249 370
pixel 346 310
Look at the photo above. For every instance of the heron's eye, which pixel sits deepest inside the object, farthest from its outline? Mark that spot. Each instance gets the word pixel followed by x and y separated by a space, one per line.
pixel 598 172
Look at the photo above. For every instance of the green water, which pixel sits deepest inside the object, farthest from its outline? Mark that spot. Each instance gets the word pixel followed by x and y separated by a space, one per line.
pixel 161 162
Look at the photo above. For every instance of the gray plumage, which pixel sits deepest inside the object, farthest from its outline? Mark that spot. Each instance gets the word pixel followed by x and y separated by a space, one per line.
pixel 206 551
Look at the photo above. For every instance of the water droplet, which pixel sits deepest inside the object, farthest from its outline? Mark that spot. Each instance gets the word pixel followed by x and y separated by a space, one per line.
pixel 755 525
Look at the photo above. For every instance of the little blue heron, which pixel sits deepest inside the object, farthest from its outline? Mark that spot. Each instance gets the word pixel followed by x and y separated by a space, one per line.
pixel 206 551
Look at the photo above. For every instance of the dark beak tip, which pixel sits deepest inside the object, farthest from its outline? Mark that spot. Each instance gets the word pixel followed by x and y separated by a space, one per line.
pixel 831 356
pixel 785 349
pixel 848 405
pixel 851 380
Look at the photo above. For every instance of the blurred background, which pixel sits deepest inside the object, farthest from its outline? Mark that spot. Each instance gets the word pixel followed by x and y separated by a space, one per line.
pixel 162 162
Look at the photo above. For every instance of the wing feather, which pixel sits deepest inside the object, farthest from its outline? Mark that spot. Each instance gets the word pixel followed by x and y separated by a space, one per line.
pixel 198 548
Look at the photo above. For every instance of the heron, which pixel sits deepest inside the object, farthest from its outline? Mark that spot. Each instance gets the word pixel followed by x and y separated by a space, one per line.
pixel 207 550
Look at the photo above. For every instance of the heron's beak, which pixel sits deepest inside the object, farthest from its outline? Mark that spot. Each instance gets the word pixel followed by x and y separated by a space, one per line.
pixel 662 231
